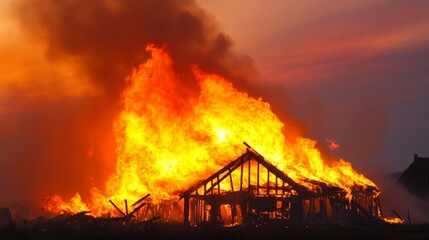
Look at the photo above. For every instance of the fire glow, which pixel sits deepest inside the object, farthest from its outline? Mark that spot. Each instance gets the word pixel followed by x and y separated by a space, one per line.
pixel 169 138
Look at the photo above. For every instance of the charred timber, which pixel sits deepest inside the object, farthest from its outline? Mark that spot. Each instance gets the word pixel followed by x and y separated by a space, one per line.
pixel 280 199
pixel 116 207
pixel 141 199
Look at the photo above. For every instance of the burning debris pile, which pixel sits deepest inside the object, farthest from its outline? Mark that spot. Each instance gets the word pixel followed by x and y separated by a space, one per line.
pixel 167 133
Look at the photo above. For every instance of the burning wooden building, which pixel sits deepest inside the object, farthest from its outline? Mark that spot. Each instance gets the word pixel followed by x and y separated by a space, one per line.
pixel 163 137
pixel 250 191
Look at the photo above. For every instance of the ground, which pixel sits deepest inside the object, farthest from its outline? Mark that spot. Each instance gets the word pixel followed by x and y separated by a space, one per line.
pixel 177 231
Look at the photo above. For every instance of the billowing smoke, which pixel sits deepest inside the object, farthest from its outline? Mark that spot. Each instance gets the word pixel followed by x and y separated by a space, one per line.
pixel 66 144
pixel 109 37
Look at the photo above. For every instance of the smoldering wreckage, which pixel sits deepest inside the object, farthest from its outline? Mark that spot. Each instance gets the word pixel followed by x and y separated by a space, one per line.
pixel 248 193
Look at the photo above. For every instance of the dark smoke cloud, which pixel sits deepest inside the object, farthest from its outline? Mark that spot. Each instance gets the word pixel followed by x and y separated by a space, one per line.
pixel 66 145
pixel 109 36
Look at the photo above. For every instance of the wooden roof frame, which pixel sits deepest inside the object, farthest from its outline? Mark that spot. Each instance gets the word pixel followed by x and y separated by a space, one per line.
pixel 250 154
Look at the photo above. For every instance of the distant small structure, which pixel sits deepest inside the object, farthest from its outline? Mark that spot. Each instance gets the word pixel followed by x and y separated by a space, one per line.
pixel 416 177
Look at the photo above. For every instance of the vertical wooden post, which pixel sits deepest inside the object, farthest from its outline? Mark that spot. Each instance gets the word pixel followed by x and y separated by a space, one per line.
pixel 197 208
pixel 241 177
pixel 283 188
pixel 257 179
pixel 268 182
pixel 186 211
pixel 204 211
pixel 313 209
pixel 201 210
pixel 126 206
pixel 230 179
pixel 218 185
pixel 248 172
pixel 196 201
pixel 323 211
pixel 276 184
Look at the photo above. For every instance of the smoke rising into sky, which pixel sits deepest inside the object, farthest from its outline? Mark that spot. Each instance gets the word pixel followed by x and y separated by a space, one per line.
pixel 60 139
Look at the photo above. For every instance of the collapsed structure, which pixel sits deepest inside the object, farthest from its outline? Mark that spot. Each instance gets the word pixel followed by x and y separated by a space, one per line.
pixel 250 191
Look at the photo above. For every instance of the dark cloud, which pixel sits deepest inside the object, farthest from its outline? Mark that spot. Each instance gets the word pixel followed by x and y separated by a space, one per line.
pixel 66 144
pixel 109 37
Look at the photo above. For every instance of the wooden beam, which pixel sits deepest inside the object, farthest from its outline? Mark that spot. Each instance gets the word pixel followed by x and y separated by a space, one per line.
pixel 248 173
pixel 230 179
pixel 271 168
pixel 136 209
pixel 126 206
pixel 283 185
pixel 268 182
pixel 141 199
pixel 232 165
pixel 222 178
pixel 276 183
pixel 257 180
pixel 197 211
pixel 241 177
pixel 218 185
pixel 119 210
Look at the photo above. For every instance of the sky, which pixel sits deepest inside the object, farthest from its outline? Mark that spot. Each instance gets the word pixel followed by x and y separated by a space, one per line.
pixel 356 72
pixel 353 72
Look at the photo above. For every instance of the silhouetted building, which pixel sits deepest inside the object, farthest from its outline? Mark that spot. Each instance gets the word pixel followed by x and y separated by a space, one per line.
pixel 416 177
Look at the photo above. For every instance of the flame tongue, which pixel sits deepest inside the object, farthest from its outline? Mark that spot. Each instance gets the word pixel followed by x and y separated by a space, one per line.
pixel 168 139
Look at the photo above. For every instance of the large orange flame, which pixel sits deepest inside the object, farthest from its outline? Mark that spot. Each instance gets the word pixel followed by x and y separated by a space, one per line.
pixel 169 137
